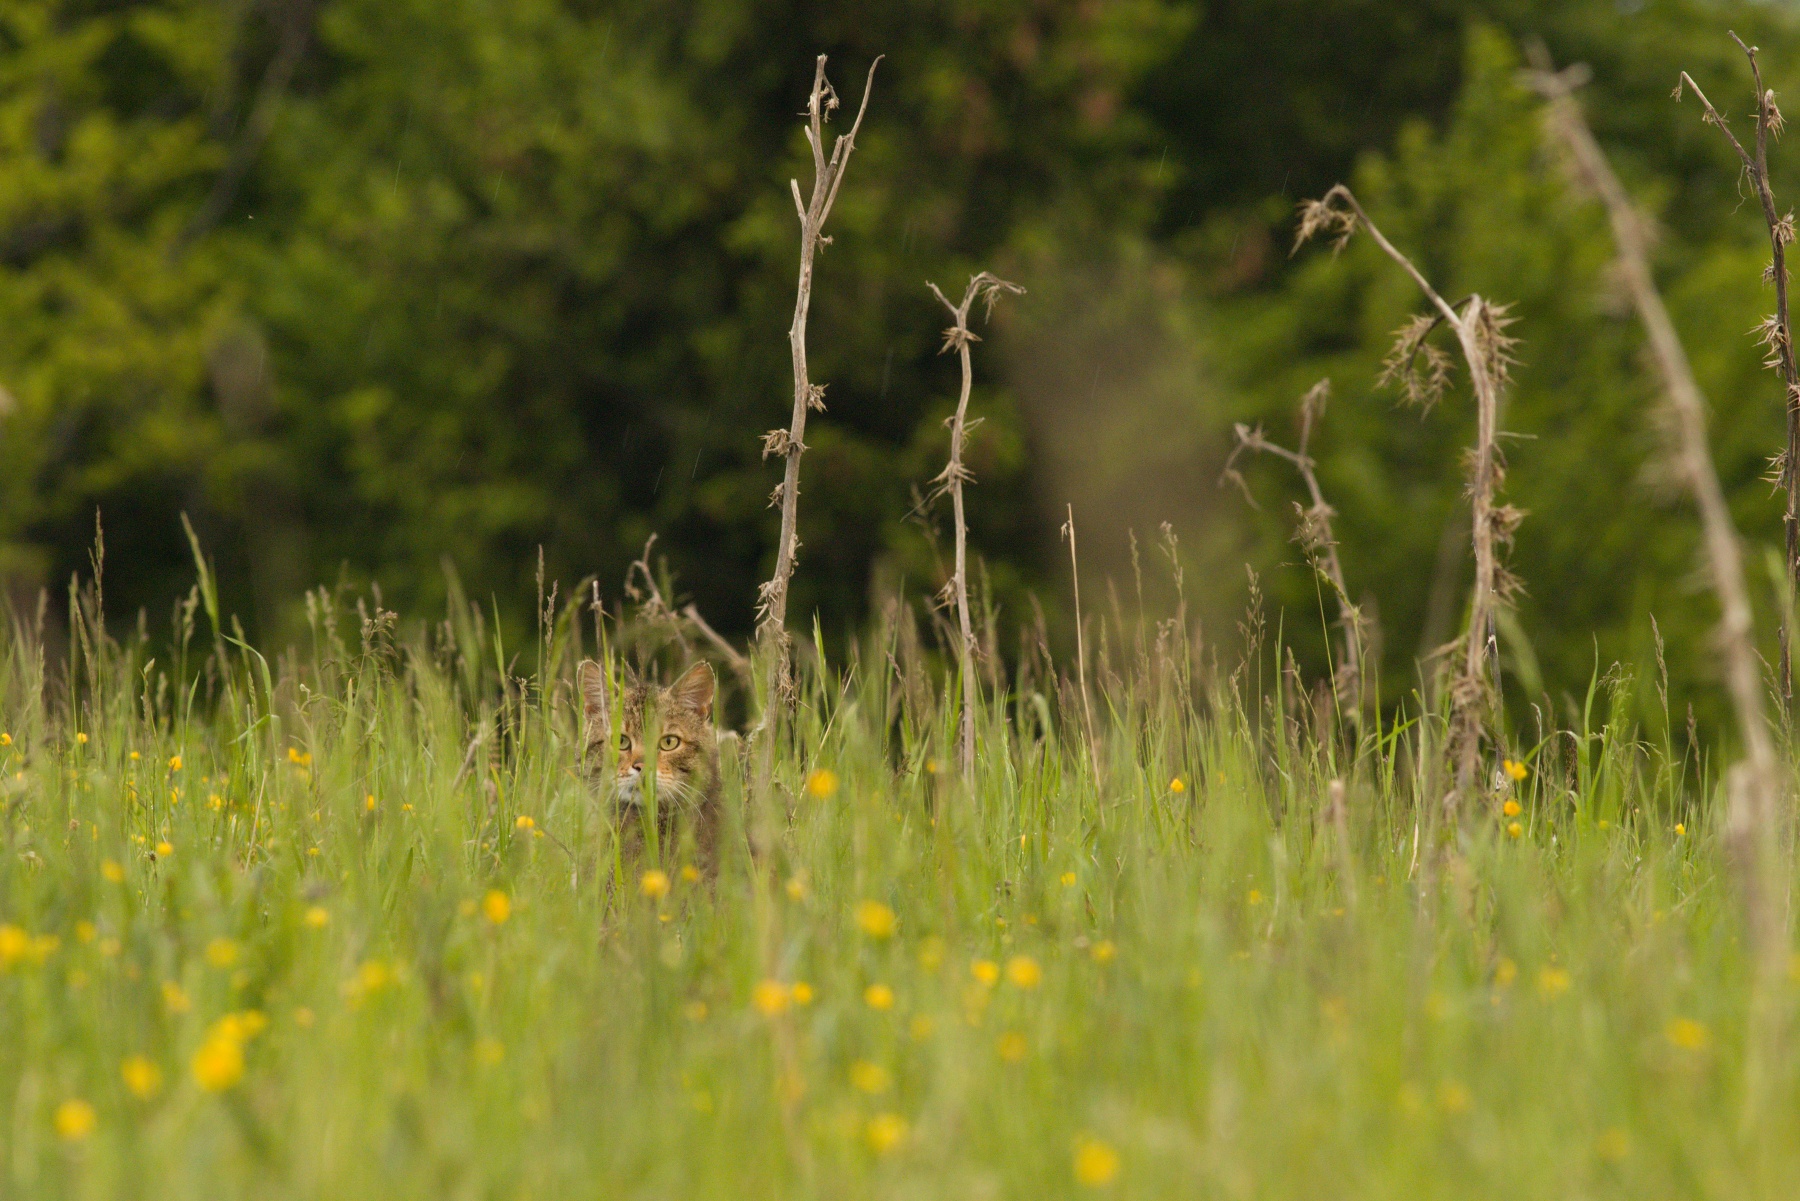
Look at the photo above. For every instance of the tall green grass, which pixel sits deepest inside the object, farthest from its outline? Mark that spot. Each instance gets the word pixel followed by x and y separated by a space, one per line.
pixel 1147 960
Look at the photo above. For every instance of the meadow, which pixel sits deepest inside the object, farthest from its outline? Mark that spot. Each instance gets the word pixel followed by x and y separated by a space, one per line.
pixel 350 922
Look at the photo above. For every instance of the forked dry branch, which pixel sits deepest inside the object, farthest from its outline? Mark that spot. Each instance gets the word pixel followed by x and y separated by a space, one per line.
pixel 1776 333
pixel 1753 822
pixel 989 288
pixel 790 443
pixel 1480 328
pixel 1313 532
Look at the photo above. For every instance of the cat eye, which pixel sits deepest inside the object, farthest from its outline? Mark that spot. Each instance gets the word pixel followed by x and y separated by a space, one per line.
pixel 624 742
pixel 670 741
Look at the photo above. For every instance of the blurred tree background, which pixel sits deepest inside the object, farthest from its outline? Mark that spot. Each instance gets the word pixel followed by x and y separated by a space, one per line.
pixel 398 291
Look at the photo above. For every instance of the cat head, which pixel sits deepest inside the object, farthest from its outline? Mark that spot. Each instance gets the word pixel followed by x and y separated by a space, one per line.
pixel 678 718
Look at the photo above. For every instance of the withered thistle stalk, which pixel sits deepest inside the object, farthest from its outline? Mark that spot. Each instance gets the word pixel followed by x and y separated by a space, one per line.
pixel 1480 333
pixel 1314 533
pixel 989 288
pixel 1776 333
pixel 828 175
pixel 1753 824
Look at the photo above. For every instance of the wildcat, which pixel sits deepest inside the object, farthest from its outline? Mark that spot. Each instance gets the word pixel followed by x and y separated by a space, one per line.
pixel 679 717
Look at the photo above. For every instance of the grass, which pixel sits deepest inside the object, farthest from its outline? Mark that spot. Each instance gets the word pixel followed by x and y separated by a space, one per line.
pixel 350 924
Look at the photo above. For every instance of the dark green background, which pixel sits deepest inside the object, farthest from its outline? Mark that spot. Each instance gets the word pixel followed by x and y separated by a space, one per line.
pixel 511 273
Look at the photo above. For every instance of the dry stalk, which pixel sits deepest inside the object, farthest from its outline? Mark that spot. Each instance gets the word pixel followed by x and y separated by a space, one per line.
pixel 1480 328
pixel 656 610
pixel 1087 712
pixel 1314 533
pixel 1752 833
pixel 989 288
pixel 1775 333
pixel 828 176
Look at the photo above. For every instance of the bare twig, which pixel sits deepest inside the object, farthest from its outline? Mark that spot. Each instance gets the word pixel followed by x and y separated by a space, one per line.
pixel 1776 333
pixel 1755 785
pixel 989 288
pixel 1481 334
pixel 1314 533
pixel 828 175
pixel 653 607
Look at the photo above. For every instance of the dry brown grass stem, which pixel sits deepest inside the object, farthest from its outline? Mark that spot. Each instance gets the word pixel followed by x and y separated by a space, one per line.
pixel 1753 824
pixel 1314 531
pixel 1480 328
pixel 1087 712
pixel 989 288
pixel 1776 333
pixel 790 444
pixel 642 589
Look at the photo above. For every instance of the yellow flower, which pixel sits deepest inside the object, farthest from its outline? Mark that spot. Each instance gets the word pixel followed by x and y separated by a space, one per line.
pixel 1104 951
pixel 1012 1046
pixel 876 919
pixel 1176 785
pixel 1023 971
pixel 1068 879
pixel 1511 808
pixel 81 738
pixel 15 944
pixel 215 802
pixel 1680 829
pixel 372 976
pixel 219 1063
pixel 174 762
pixel 1515 770
pixel 796 888
pixel 822 784
pixel 6 740
pixel 1505 972
pixel 869 1078
pixel 141 1076
pixel 112 871
pixel 164 849
pixel 1514 830
pixel 369 802
pixel 884 1132
pixel 931 953
pixel 1552 982
pixel 802 993
pixel 1255 897
pixel 221 952
pixel 654 884
pixel 175 998
pixel 878 996
pixel 85 930
pixel 75 1120
pixel 1453 1097
pixel 689 873
pixel 985 970
pixel 770 997
pixel 1612 1145
pixel 318 917
pixel 298 758
pixel 497 906
pixel 1688 1034
pixel 1096 1163
pixel 524 823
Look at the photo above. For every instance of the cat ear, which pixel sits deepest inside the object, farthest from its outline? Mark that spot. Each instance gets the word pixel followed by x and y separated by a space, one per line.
pixel 694 690
pixel 595 709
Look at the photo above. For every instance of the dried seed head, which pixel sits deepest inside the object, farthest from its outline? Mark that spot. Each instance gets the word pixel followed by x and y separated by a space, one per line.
pixel 1423 388
pixel 1325 217
pixel 1490 322
pixel 1776 123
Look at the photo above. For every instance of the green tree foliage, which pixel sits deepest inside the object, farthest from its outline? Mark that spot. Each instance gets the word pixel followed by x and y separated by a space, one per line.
pixel 371 288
